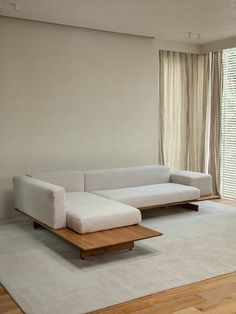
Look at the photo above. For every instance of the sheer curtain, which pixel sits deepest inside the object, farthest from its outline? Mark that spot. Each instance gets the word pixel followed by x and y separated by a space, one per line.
pixel 189 112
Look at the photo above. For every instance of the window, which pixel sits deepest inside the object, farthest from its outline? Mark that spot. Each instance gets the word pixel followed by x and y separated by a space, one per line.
pixel 228 140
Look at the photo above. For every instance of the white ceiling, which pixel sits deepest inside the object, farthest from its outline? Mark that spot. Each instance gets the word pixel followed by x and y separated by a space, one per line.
pixel 164 19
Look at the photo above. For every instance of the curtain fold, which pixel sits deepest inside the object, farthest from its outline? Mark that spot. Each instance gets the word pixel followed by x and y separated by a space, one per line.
pixel 216 88
pixel 189 112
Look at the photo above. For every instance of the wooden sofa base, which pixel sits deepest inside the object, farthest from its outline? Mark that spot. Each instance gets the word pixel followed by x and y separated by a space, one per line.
pixel 95 243
pixel 185 204
pixel 112 248
pixel 191 206
pixel 123 238
pixel 100 242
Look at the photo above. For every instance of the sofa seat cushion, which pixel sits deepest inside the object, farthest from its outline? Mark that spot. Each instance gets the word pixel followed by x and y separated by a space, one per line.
pixel 150 195
pixel 87 212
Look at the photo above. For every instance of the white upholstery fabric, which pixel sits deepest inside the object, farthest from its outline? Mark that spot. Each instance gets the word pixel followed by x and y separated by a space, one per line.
pixel 125 177
pixel 70 180
pixel 87 212
pixel 41 200
pixel 202 181
pixel 149 195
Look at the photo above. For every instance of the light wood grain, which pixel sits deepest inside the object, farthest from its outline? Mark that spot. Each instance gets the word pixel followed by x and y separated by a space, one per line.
pixel 7 304
pixel 188 310
pixel 102 239
pixel 106 241
pixel 202 198
pixel 212 296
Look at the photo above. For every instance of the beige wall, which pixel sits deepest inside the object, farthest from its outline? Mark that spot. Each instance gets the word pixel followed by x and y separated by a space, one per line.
pixel 73 99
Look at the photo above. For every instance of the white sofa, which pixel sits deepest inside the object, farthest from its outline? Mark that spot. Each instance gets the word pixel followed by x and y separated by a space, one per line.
pixel 89 201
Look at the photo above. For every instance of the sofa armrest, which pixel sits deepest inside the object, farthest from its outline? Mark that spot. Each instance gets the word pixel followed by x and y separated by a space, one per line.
pixel 202 181
pixel 41 200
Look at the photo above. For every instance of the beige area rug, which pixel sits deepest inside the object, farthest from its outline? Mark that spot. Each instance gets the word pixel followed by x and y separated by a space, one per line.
pixel 44 274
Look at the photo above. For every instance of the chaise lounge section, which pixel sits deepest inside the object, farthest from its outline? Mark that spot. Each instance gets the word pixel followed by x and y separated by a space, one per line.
pixel 97 213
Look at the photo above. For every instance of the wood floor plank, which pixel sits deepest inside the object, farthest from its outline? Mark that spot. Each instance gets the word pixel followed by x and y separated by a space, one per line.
pixel 223 291
pixel 5 298
pixel 205 296
pixel 2 291
pixel 228 308
pixel 9 308
pixel 189 310
pixel 7 304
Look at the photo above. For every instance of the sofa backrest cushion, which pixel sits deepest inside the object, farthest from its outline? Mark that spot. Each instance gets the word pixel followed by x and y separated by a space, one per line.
pixel 70 180
pixel 117 178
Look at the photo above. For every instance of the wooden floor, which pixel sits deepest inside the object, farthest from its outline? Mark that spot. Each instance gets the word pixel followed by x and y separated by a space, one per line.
pixel 213 296
pixel 7 304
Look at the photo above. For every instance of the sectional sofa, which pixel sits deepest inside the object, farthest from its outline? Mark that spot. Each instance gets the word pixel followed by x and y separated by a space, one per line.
pixel 94 201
